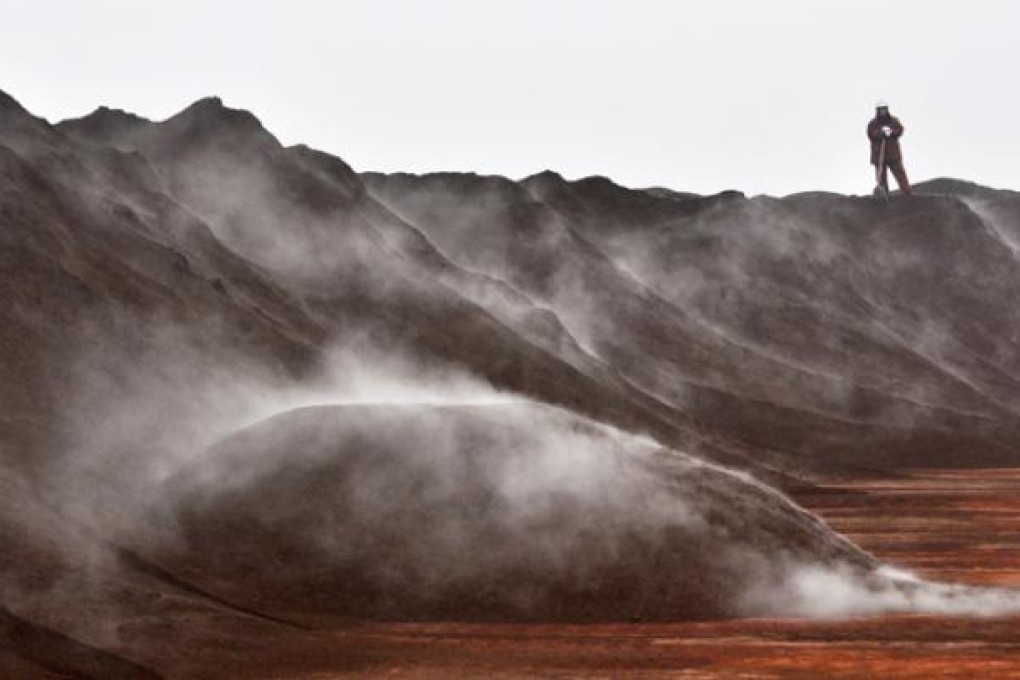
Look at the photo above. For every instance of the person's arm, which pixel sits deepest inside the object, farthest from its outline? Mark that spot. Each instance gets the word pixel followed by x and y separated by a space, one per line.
pixel 874 131
pixel 897 128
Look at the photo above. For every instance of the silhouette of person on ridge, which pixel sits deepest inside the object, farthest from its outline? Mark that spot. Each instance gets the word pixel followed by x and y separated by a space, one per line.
pixel 885 131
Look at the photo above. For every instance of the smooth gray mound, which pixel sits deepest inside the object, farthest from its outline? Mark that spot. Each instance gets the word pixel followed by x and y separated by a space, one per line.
pixel 506 512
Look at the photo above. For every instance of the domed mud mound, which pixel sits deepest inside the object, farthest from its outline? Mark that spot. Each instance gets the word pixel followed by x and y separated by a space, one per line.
pixel 507 512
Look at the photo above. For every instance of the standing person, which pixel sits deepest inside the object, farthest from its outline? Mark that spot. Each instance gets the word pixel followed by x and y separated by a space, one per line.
pixel 885 131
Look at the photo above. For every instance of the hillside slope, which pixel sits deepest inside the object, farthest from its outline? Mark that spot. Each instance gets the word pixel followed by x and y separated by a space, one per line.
pixel 250 395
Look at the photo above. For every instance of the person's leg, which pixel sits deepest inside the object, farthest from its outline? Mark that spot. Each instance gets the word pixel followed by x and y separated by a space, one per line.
pixel 881 178
pixel 901 176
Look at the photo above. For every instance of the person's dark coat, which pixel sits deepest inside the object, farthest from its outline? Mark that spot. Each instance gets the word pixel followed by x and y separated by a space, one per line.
pixel 892 143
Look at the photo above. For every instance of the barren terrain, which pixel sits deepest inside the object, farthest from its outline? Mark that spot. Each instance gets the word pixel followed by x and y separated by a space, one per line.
pixel 264 416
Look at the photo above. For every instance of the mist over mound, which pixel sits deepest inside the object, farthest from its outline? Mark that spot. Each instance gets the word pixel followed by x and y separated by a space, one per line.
pixel 196 316
pixel 499 512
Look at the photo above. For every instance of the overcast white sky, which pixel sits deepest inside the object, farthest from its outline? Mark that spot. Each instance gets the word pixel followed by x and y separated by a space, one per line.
pixel 766 97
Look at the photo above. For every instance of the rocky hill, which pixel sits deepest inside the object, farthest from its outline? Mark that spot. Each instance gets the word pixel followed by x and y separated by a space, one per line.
pixel 249 394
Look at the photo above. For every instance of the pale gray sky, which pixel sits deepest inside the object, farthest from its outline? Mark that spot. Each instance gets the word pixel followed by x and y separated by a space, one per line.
pixel 766 97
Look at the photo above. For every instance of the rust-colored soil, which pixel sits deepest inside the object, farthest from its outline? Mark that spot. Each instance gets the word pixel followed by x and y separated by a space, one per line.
pixel 948 524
